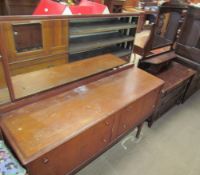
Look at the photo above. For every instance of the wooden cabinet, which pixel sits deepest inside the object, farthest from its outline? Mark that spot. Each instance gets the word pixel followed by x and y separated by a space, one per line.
pixel 26 54
pixel 73 128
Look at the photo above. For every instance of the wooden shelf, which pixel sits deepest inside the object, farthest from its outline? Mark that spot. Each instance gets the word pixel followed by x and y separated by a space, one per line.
pixel 118 51
pixel 89 28
pixel 83 44
pixel 174 76
pixel 46 79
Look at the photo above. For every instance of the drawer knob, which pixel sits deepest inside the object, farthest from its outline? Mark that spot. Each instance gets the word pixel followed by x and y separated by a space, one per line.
pixel 107 123
pixel 124 126
pixel 104 140
pixel 45 160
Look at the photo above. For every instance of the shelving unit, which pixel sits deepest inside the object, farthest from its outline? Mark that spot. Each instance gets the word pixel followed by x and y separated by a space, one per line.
pixel 101 35
pixel 86 43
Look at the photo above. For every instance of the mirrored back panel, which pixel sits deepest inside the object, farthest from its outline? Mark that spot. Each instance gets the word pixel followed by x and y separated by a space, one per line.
pixel 43 53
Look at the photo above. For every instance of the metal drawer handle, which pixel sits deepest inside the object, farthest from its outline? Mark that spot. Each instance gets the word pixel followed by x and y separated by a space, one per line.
pixel 45 160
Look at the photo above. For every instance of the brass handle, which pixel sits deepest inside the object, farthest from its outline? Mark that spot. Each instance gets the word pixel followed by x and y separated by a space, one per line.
pixel 45 160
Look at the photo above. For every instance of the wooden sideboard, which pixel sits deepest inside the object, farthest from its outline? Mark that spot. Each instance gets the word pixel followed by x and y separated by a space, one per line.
pixel 61 134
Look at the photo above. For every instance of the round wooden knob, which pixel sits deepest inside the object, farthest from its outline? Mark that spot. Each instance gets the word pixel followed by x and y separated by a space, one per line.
pixel 107 123
pixel 124 126
pixel 45 160
pixel 104 140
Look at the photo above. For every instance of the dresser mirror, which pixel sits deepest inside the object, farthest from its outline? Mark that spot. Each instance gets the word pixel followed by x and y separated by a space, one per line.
pixel 4 93
pixel 43 52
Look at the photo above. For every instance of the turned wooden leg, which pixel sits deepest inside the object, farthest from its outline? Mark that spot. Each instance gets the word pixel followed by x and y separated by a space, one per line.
pixel 139 130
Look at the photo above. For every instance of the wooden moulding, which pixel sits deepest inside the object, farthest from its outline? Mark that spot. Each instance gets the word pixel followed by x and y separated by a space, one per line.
pixel 38 17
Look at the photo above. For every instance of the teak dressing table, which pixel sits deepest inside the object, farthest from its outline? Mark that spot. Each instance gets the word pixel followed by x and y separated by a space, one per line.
pixel 58 135
pixel 71 92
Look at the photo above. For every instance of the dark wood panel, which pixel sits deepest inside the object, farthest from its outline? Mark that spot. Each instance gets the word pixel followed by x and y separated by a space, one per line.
pixel 98 41
pixel 88 28
pixel 15 7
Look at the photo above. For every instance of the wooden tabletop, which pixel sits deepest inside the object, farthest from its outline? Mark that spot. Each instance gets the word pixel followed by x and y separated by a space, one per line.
pixel 38 128
pixel 175 75
pixel 38 81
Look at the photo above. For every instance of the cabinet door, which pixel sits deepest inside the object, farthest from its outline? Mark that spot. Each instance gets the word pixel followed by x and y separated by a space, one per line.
pixel 96 139
pixel 59 161
pixel 130 117
pixel 70 155
pixel 137 112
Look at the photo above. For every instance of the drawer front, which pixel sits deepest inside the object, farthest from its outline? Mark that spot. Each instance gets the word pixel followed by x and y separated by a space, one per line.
pixel 137 112
pixel 176 93
pixel 96 139
pixel 75 152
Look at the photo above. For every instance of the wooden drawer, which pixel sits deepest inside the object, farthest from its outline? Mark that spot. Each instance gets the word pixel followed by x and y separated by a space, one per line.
pixel 75 152
pixel 96 139
pixel 137 112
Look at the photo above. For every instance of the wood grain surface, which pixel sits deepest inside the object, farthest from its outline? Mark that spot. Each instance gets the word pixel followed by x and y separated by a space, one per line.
pixel 40 127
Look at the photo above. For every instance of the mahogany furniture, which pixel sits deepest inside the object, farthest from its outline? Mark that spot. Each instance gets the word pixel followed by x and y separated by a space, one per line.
pixel 177 78
pixel 60 134
pixel 188 46
pixel 164 32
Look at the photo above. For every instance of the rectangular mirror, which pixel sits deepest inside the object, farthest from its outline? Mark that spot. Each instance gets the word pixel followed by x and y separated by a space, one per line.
pixel 4 93
pixel 46 53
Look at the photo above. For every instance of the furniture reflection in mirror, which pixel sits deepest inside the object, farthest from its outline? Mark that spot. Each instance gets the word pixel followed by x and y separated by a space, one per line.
pixel 45 79
pixel 59 47
pixel 16 7
pixel 95 36
pixel 164 32
pixel 34 45
pixel 27 37
pixel 4 93
pixel 115 6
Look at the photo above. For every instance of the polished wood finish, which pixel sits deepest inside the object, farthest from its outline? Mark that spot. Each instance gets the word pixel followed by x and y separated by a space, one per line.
pixel 69 129
pixel 14 7
pixel 51 46
pixel 56 41
pixel 164 31
pixel 56 76
pixel 177 78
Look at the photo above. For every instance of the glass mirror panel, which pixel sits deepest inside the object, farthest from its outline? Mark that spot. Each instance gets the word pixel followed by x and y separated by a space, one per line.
pixel 4 93
pixel 44 54
pixel 27 37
